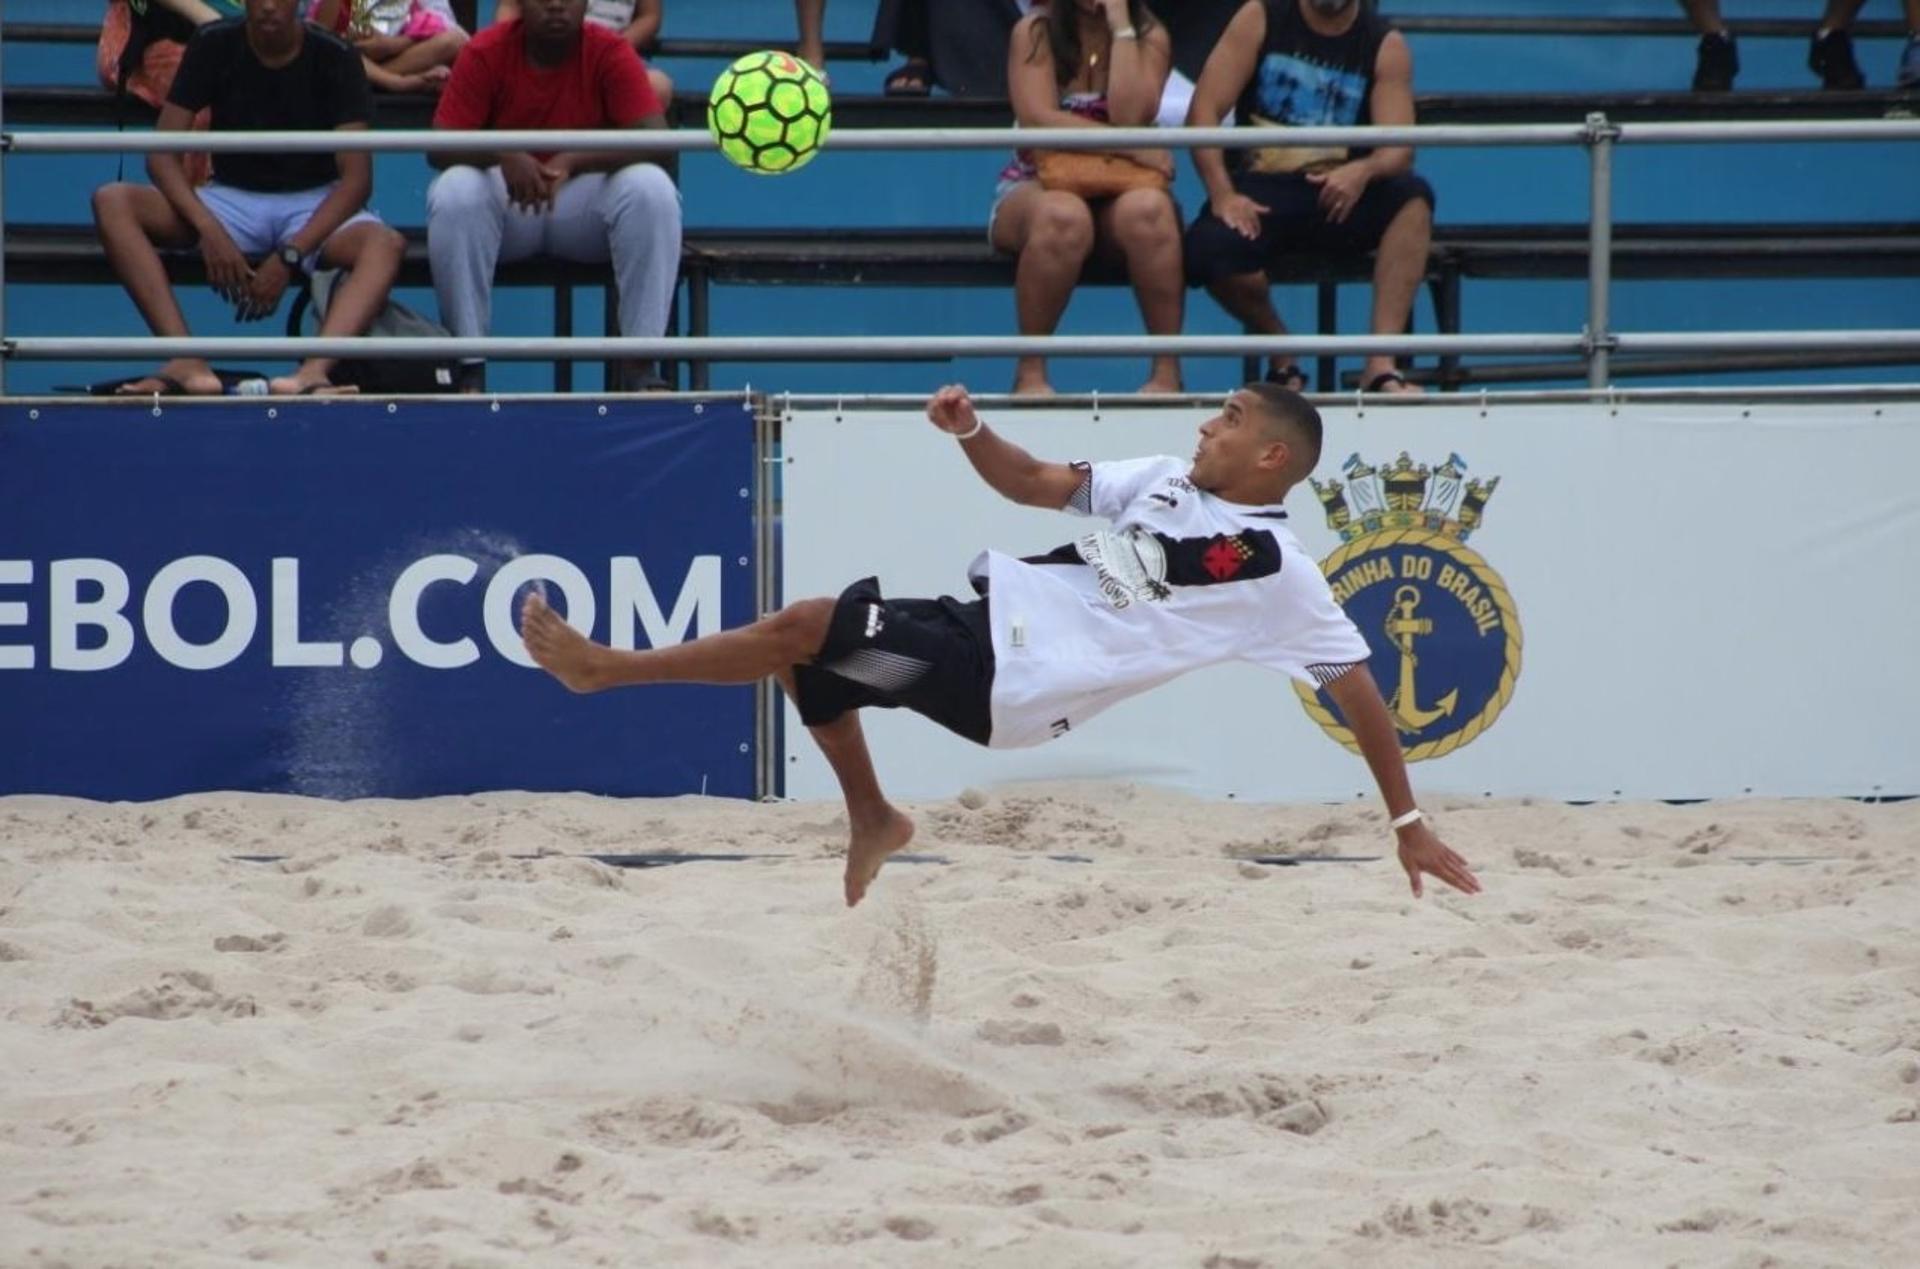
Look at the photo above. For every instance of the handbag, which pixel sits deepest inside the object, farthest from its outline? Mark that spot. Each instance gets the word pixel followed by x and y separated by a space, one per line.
pixel 1093 174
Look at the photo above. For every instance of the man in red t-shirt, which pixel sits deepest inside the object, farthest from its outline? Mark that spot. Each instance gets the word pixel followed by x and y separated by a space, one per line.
pixel 550 70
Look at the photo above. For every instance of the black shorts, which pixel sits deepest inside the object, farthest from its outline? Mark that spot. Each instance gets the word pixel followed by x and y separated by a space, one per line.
pixel 933 656
pixel 1214 249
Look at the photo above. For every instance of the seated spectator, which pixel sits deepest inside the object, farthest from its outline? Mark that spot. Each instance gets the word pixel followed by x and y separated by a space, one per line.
pixel 141 42
pixel 635 21
pixel 1309 63
pixel 550 69
pixel 139 50
pixel 1829 55
pixel 1089 64
pixel 264 218
pixel 407 44
pixel 960 45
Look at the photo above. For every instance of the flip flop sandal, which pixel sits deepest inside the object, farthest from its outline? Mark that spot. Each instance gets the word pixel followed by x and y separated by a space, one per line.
pixel 1288 377
pixel 1384 378
pixel 169 387
pixel 912 78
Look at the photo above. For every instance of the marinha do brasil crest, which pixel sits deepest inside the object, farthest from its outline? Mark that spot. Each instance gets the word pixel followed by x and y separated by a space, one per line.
pixel 1440 622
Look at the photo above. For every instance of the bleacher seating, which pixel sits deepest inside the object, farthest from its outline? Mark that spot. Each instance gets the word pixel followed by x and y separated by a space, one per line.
pixel 960 256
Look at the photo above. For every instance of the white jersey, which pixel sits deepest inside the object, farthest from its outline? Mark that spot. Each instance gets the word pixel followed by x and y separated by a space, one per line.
pixel 1182 580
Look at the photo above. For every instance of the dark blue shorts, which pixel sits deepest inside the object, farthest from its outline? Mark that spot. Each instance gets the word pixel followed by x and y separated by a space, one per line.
pixel 1215 249
pixel 932 656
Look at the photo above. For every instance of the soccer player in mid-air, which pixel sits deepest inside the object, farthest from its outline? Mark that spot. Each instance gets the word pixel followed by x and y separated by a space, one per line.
pixel 1198 567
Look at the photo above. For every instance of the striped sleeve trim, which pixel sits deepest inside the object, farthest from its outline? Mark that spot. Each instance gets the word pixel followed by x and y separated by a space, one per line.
pixel 1082 500
pixel 1325 674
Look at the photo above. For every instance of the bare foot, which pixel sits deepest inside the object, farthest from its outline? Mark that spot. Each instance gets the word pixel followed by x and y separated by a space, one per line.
pixel 873 839
pixel 177 378
pixel 1158 386
pixel 1023 386
pixel 558 648
pixel 303 385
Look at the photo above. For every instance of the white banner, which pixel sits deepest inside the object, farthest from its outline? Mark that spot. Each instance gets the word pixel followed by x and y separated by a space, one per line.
pixel 1575 601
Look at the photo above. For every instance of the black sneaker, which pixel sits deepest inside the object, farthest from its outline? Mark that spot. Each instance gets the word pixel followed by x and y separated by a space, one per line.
pixel 1718 63
pixel 1830 56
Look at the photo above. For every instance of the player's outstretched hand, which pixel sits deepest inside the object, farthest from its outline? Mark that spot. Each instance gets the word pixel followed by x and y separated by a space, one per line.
pixel 951 409
pixel 1422 851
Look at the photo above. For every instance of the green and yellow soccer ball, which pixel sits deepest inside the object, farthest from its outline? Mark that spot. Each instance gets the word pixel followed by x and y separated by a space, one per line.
pixel 770 113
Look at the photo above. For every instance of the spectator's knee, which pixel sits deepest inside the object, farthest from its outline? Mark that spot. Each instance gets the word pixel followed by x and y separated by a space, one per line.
pixel 645 186
pixel 386 245
pixel 458 191
pixel 1414 220
pixel 111 199
pixel 662 84
pixel 1061 223
pixel 1145 218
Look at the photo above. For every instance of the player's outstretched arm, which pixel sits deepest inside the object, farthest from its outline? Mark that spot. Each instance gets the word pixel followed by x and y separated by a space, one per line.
pixel 1421 850
pixel 1010 470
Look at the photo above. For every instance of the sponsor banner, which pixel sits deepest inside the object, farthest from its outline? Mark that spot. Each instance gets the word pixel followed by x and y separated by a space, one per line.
pixel 1565 600
pixel 319 597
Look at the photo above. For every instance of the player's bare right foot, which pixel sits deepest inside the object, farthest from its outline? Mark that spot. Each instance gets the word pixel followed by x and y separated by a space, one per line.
pixel 558 648
pixel 874 837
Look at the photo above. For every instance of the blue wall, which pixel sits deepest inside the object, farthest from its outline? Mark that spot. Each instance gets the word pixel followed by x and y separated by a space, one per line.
pixel 1707 183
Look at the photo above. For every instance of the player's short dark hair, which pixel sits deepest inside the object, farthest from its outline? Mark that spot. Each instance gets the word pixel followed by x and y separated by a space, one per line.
pixel 1290 417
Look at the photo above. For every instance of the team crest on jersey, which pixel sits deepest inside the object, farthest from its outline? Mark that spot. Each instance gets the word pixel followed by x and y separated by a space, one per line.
pixel 1441 624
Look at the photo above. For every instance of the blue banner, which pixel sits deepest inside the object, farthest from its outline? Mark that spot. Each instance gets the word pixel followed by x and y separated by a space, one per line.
pixel 318 597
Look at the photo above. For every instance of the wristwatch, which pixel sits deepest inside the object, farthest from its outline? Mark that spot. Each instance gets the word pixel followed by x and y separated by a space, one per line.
pixel 291 257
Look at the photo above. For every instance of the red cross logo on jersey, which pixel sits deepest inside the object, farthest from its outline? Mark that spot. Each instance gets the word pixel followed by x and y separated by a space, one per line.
pixel 1224 558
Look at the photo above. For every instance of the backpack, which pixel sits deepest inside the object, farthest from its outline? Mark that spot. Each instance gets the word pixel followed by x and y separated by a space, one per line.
pixel 384 377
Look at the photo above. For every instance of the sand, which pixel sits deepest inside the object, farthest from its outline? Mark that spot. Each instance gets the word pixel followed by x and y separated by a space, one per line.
pixel 403 1044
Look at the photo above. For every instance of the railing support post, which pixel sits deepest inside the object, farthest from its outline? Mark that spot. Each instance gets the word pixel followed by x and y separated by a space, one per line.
pixel 1601 133
pixel 6 144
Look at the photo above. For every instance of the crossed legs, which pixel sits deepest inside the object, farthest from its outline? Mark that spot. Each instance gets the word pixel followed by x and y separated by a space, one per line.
pixel 771 646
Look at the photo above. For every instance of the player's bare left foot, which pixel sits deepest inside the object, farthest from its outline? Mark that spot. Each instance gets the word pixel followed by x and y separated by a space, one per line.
pixel 875 836
pixel 557 647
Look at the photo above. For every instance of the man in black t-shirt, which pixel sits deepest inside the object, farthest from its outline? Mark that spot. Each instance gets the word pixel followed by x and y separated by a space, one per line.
pixel 265 216
pixel 1310 63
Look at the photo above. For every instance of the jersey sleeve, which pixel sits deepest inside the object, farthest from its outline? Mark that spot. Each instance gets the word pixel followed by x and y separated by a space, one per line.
pixel 352 94
pixel 1304 634
pixel 193 82
pixel 1108 489
pixel 466 99
pixel 626 93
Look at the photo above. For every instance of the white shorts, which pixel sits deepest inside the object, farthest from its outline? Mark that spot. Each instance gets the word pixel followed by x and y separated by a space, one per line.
pixel 259 222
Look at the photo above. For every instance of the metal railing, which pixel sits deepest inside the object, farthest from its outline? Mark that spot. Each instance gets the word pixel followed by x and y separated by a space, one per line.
pixel 1596 343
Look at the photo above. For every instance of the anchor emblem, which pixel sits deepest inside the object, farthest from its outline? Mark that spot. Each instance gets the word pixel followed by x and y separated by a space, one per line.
pixel 1403 628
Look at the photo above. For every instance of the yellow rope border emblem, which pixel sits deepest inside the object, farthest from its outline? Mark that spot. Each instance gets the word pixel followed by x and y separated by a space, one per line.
pixel 1509 618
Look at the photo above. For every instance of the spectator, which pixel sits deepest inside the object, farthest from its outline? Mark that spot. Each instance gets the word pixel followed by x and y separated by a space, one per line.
pixel 549 69
pixel 264 217
pixel 635 21
pixel 1307 63
pixel 811 16
pixel 407 45
pixel 1089 64
pixel 1829 55
pixel 141 42
pixel 959 44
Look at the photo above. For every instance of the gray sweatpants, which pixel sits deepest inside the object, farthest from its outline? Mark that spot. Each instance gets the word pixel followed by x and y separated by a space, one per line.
pixel 631 216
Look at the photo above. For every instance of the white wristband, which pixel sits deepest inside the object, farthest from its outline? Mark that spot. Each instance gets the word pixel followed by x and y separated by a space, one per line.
pixel 1411 817
pixel 971 432
pixel 1126 33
